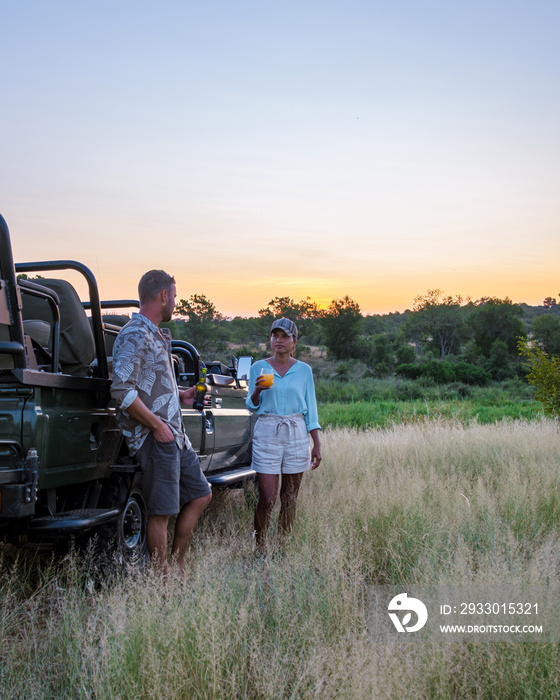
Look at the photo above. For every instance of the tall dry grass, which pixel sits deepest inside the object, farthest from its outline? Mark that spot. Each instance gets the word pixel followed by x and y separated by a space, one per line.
pixel 435 502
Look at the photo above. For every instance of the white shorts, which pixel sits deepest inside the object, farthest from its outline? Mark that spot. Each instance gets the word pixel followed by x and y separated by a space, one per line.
pixel 281 445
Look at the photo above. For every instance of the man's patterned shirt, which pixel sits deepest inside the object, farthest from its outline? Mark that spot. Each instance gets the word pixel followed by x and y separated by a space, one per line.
pixel 143 367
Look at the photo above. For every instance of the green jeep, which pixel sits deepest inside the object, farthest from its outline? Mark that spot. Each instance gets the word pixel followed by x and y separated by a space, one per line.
pixel 64 466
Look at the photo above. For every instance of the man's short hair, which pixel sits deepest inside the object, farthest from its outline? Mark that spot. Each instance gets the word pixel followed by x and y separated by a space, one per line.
pixel 152 283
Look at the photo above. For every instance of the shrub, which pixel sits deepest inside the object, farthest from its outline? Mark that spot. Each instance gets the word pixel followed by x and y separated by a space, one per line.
pixel 444 372
pixel 440 372
pixel 409 370
pixel 544 374
pixel 470 374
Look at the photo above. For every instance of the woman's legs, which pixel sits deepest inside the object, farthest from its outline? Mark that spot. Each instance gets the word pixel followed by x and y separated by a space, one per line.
pixel 268 488
pixel 288 497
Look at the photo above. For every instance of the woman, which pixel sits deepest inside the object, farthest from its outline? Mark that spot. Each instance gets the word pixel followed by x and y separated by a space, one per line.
pixel 287 416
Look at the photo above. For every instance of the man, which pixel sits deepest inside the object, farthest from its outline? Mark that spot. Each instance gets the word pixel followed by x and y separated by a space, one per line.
pixel 149 413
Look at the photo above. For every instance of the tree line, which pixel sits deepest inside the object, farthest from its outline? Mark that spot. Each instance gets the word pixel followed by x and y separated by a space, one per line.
pixel 443 337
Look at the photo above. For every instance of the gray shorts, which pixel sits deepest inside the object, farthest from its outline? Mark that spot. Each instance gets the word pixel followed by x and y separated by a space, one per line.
pixel 281 445
pixel 171 477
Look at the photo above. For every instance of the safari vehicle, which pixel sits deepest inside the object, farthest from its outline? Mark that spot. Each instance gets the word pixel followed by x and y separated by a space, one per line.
pixel 64 466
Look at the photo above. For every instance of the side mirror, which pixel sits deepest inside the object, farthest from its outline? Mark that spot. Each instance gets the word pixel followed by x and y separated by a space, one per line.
pixel 243 368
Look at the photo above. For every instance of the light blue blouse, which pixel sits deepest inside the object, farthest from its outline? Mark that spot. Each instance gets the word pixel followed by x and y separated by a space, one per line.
pixel 292 393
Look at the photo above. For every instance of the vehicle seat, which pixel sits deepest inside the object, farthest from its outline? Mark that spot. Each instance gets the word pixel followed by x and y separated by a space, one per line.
pixel 39 331
pixel 113 324
pixel 77 346
pixel 217 367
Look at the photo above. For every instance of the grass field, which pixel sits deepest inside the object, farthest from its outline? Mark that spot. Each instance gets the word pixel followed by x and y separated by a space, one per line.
pixel 425 502
pixel 378 403
pixel 381 414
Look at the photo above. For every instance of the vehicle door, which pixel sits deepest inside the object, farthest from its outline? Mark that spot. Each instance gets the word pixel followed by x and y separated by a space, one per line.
pixel 228 423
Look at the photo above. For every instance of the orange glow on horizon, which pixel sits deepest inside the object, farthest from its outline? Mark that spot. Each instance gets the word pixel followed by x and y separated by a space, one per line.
pixel 386 293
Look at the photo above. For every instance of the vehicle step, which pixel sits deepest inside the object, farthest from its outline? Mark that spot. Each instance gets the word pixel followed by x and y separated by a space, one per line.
pixel 74 520
pixel 230 477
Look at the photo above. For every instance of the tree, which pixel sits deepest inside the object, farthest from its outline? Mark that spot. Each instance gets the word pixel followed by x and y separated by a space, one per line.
pixel 303 313
pixel 342 325
pixel 549 303
pixel 412 330
pixel 544 374
pixel 382 355
pixel 499 361
pixel 494 319
pixel 375 324
pixel 438 317
pixel 201 328
pixel 546 333
pixel 404 352
pixel 249 331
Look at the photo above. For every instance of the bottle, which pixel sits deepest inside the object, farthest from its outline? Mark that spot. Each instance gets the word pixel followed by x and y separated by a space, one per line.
pixel 200 391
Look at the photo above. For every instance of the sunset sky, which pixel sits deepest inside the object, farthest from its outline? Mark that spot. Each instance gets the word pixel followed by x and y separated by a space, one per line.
pixel 287 148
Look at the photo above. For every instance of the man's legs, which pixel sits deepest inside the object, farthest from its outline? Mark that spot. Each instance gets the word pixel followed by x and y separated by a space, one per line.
pixel 184 527
pixel 160 468
pixel 171 477
pixel 156 540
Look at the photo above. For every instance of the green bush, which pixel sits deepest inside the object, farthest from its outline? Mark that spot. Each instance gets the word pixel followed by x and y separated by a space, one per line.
pixel 440 372
pixel 409 370
pixel 470 374
pixel 445 372
pixel 544 374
